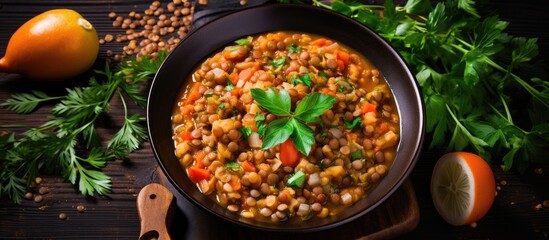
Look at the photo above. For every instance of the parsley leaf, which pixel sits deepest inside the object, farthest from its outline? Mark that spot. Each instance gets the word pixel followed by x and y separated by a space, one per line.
pixel 277 132
pixel 246 131
pixel 243 41
pixel 313 105
pixel 68 144
pixel 276 103
pixel 26 102
pixel 296 180
pixel 298 79
pixel 259 120
pixel 357 122
pixel 291 124
pixel 229 86
pixel 294 48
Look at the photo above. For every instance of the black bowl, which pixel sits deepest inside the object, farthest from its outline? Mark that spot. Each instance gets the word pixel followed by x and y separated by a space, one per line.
pixel 213 36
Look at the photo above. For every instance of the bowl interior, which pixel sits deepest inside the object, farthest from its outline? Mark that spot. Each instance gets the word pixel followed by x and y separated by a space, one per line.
pixel 211 37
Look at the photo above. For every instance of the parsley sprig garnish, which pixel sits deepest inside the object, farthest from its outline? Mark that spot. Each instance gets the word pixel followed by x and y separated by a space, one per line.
pixel 291 125
pixel 68 144
pixel 475 79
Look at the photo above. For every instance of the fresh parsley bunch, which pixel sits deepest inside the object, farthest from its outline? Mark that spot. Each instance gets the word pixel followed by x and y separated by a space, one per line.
pixel 475 79
pixel 68 144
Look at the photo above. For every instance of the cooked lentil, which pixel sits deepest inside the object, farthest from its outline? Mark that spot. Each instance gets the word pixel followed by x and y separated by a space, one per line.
pixel 346 162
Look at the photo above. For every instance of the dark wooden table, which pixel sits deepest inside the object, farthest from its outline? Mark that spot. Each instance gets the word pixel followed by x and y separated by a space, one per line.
pixel 515 213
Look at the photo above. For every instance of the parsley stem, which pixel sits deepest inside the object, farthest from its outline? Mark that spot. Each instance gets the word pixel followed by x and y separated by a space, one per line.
pixel 123 104
pixel 534 92
pixel 479 142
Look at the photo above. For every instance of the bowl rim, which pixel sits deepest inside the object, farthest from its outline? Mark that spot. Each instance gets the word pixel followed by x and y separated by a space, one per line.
pixel 268 13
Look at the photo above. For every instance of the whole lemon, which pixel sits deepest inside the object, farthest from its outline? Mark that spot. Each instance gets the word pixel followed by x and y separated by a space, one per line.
pixel 54 45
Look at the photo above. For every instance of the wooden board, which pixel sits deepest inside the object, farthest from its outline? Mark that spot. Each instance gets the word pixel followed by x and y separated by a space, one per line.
pixel 398 215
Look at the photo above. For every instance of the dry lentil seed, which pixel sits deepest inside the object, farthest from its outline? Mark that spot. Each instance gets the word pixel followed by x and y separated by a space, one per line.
pixel 43 190
pixel 28 195
pixel 80 208
pixel 63 216
pixel 38 198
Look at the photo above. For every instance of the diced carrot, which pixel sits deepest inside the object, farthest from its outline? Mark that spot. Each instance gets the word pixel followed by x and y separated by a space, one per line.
pixel 248 166
pixel 235 183
pixel 343 56
pixel 187 109
pixel 235 92
pixel 368 107
pixel 186 135
pixel 326 90
pixel 383 127
pixel 197 174
pixel 193 94
pixel 233 77
pixel 198 157
pixel 246 74
pixel 321 42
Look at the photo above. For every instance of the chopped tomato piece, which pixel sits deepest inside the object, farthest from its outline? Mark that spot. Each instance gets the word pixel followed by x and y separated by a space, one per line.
pixel 368 107
pixel 289 155
pixel 198 174
pixel 194 94
pixel 248 166
pixel 186 135
pixel 235 92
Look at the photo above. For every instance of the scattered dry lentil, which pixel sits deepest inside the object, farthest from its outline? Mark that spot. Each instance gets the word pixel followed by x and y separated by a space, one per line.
pixel 38 198
pixel 63 216
pixel 159 28
pixel 43 190
pixel 80 208
pixel 29 195
pixel 473 225
pixel 546 203
pixel 538 206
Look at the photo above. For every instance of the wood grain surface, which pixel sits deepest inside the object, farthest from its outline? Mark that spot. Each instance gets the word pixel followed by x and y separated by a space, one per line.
pixel 408 214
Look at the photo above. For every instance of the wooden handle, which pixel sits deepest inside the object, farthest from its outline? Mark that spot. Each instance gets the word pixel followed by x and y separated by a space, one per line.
pixel 153 205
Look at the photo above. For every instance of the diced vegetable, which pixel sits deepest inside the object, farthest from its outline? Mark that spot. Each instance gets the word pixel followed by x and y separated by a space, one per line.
pixel 197 174
pixel 289 155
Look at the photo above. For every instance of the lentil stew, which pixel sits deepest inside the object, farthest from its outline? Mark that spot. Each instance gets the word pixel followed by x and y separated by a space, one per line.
pixel 220 127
